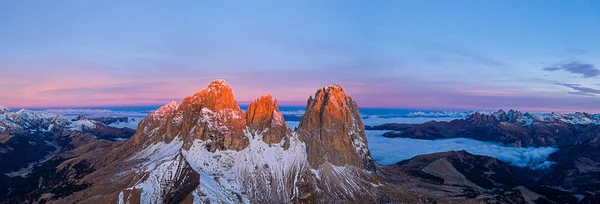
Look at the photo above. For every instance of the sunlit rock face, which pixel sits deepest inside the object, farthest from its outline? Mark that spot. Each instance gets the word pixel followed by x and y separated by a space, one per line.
pixel 333 131
pixel 210 115
pixel 213 115
pixel 263 115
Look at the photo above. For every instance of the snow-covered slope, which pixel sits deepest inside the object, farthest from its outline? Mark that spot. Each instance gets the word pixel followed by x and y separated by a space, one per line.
pixel 260 171
pixel 31 121
pixel 40 121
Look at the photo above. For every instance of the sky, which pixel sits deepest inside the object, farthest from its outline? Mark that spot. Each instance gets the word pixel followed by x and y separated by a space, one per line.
pixel 537 55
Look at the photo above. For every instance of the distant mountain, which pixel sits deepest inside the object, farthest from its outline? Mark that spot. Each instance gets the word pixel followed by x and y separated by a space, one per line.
pixel 28 138
pixel 512 127
pixel 207 150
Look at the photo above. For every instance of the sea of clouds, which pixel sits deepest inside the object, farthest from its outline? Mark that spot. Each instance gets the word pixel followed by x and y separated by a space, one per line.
pixel 373 120
pixel 384 150
pixel 393 150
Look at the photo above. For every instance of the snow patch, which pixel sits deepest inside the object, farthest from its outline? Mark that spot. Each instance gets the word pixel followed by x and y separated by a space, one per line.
pixel 81 125
pixel 254 169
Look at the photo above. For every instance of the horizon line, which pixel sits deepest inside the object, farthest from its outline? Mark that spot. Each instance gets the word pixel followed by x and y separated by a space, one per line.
pixel 298 105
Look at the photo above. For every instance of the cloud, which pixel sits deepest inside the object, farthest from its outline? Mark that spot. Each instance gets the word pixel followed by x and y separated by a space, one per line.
pixel 411 94
pixel 393 150
pixel 576 67
pixel 127 87
pixel 576 51
pixel 372 120
pixel 457 51
pixel 580 90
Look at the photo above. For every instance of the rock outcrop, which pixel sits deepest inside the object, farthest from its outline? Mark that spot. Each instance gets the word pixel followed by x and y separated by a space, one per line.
pixel 333 131
pixel 263 115
pixel 158 126
pixel 213 115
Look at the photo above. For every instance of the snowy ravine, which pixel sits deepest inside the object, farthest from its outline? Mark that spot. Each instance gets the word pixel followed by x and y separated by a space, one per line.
pixel 225 176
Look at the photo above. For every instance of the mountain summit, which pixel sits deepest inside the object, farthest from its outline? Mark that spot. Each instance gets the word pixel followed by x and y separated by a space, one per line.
pixel 333 130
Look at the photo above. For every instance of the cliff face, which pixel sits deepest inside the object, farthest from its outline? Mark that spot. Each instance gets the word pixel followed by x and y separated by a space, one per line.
pixel 213 115
pixel 210 115
pixel 333 131
pixel 263 115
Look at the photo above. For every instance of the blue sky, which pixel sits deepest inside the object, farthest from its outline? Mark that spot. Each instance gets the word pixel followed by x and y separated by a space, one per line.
pixel 530 55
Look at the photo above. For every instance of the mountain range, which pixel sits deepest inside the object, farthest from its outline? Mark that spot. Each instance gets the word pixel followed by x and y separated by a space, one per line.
pixel 207 150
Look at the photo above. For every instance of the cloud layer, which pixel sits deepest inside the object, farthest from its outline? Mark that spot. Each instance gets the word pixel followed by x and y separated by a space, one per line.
pixel 393 150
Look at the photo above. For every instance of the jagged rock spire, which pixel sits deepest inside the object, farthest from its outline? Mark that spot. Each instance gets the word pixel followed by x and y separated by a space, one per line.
pixel 263 114
pixel 333 130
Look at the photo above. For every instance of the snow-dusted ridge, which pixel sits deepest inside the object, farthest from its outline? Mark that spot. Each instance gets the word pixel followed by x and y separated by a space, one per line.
pixel 40 121
pixel 226 176
pixel 528 118
pixel 30 121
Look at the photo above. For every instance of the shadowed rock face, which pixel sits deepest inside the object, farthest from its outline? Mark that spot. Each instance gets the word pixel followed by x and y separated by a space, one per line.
pixel 479 175
pixel 577 168
pixel 333 131
pixel 159 122
pixel 263 114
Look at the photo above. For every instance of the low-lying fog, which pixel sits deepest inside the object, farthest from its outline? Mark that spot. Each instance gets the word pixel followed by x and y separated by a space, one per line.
pixel 393 150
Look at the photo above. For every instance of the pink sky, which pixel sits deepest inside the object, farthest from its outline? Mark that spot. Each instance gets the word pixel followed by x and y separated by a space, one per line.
pixel 400 54
pixel 88 87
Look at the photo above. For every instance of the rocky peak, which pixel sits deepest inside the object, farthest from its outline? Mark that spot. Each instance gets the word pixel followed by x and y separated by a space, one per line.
pixel 157 126
pixel 217 96
pixel 4 109
pixel 80 117
pixel 213 115
pixel 501 116
pixel 166 109
pixel 333 130
pixel 263 114
pixel 514 116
